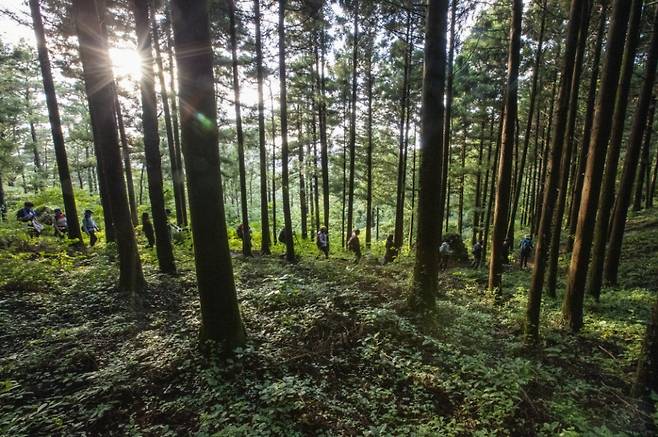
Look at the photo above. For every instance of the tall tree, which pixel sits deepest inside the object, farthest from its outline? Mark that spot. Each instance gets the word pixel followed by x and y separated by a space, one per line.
pixel 100 95
pixel 55 126
pixel 587 127
pixel 178 182
pixel 551 188
pixel 606 197
pixel 152 139
pixel 370 83
pixel 260 74
pixel 404 108
pixel 444 202
pixel 526 138
pixel 567 152
pixel 425 280
pixel 125 153
pixel 640 117
pixel 355 54
pixel 220 316
pixel 246 234
pixel 285 186
pixel 642 175
pixel 504 179
pixel 572 309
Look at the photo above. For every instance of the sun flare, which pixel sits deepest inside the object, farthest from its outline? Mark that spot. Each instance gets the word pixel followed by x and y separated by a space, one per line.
pixel 126 63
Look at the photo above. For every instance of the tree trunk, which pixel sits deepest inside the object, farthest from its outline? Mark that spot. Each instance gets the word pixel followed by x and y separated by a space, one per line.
pixel 178 182
pixel 551 184
pixel 505 163
pixel 370 83
pixel 152 139
pixel 404 107
pixel 492 188
pixel 260 74
pixel 652 187
pixel 485 187
pixel 413 194
pixel 56 128
pixel 462 179
pixel 274 223
pixel 572 308
pixel 526 138
pixel 220 316
pixel 425 280
pixel 565 164
pixel 355 53
pixel 303 205
pixel 100 94
pixel 125 153
pixel 444 201
pixel 179 177
pixel 587 129
pixel 607 194
pixel 246 235
pixel 290 248
pixel 644 160
pixel 478 183
pixel 322 118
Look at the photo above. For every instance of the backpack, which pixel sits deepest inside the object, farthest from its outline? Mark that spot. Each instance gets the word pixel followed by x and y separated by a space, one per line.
pixel 526 245
pixel 351 244
pixel 477 249
pixel 238 231
pixel 282 236
pixel 444 249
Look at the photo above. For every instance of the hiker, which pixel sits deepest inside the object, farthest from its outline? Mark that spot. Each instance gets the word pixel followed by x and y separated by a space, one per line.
pixel 526 250
pixel 60 224
pixel 322 241
pixel 89 227
pixel 147 228
pixel 29 216
pixel 391 251
pixel 477 255
pixel 240 231
pixel 505 252
pixel 444 255
pixel 354 245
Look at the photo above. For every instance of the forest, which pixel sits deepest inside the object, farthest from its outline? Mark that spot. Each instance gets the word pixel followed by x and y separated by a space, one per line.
pixel 328 217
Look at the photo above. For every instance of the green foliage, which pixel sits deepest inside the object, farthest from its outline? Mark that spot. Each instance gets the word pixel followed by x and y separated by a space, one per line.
pixel 332 350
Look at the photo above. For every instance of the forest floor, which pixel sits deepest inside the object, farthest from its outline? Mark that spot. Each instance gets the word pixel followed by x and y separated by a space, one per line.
pixel 332 350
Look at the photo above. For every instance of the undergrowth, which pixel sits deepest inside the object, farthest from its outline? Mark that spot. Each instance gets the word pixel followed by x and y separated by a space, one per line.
pixel 332 350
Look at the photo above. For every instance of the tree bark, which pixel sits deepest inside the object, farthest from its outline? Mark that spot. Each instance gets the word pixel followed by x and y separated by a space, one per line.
pixel 179 177
pixel 303 204
pixel 425 279
pixel 220 316
pixel 444 201
pixel 56 128
pixel 551 181
pixel 572 308
pixel 100 94
pixel 644 160
pixel 355 53
pixel 260 74
pixel 244 207
pixel 526 138
pixel 587 129
pixel 370 83
pixel 565 164
pixel 125 154
pixel 607 194
pixel 505 162
pixel 152 139
pixel 404 107
pixel 274 223
pixel 178 183
pixel 290 248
